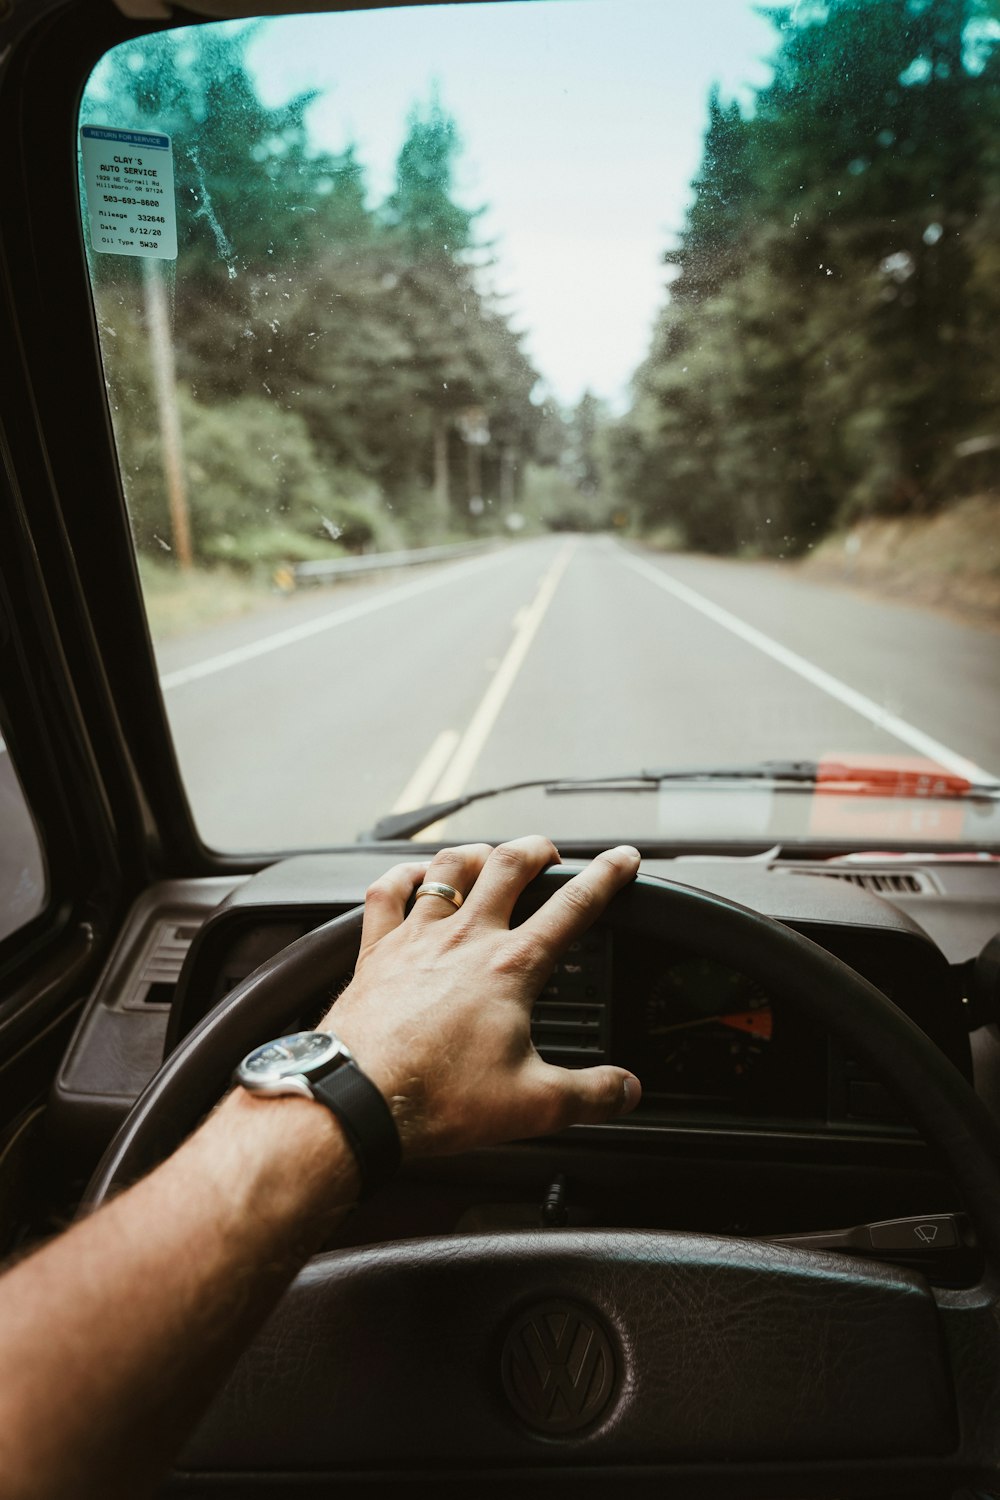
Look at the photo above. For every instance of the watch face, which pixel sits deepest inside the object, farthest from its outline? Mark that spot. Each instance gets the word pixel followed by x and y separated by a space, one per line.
pixel 302 1052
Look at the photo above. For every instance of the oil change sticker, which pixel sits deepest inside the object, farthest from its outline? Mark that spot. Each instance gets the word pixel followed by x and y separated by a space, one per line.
pixel 130 191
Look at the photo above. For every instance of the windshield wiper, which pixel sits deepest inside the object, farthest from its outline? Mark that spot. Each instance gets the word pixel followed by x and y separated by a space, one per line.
pixel 834 776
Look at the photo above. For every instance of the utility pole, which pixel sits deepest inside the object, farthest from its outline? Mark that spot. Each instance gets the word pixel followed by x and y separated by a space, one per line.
pixel 165 378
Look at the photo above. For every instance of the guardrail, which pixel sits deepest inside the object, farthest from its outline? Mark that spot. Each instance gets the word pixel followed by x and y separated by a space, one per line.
pixel 373 562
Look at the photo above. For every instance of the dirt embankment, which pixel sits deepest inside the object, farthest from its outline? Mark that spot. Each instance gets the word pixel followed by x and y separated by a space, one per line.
pixel 949 561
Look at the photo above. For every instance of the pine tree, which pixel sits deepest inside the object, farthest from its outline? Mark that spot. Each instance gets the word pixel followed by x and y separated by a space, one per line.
pixel 824 348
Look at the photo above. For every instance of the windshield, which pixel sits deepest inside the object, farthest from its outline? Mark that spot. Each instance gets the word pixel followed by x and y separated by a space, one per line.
pixel 512 391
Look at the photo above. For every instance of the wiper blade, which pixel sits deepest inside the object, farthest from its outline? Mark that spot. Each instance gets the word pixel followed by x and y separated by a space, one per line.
pixel 863 779
pixel 826 775
pixel 403 825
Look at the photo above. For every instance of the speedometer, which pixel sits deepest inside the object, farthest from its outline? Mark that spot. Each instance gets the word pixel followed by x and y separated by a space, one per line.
pixel 708 1029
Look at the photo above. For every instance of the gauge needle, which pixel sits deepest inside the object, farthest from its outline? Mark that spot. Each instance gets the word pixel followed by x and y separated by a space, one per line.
pixel 756 1022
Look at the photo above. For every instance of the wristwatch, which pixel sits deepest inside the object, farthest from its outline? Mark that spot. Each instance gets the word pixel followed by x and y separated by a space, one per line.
pixel 317 1065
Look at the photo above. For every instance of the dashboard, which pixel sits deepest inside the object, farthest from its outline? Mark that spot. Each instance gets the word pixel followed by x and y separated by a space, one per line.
pixel 750 1123
pixel 711 1047
pixel 710 1044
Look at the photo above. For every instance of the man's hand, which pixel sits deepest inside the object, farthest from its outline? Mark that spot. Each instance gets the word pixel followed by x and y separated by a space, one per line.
pixel 116 1334
pixel 439 1011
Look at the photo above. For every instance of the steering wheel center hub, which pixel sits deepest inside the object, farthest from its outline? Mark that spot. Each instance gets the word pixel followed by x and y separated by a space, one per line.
pixel 558 1367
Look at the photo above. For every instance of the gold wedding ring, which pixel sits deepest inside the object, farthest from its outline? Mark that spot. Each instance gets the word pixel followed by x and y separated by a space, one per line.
pixel 439 888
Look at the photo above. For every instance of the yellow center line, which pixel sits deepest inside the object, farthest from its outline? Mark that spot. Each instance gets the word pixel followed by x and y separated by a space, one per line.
pixel 418 789
pixel 456 776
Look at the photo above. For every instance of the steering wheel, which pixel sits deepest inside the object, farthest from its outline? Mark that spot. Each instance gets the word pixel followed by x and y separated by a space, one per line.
pixel 566 1358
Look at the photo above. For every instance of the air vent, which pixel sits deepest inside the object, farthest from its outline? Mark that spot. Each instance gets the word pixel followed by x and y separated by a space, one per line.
pixel 570 1020
pixel 882 882
pixel 155 976
pixel 558 1026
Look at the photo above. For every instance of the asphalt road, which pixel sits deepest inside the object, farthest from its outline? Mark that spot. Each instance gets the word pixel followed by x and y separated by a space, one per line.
pixel 556 657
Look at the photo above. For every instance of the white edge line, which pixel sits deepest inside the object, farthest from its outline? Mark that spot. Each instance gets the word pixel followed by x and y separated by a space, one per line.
pixel 294 633
pixel 825 681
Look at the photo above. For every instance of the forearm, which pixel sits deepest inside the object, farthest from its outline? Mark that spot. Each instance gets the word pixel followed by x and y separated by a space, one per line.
pixel 114 1338
pixel 169 1281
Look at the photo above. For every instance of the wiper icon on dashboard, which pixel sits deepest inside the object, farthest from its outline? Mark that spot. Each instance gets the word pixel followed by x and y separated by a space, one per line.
pixel 866 778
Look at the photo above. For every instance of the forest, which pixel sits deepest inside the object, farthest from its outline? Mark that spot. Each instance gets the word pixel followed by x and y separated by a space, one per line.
pixel 344 377
pixel 341 374
pixel 828 348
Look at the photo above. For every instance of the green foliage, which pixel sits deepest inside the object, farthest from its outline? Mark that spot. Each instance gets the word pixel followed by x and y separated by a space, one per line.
pixel 552 500
pixel 826 345
pixel 574 485
pixel 262 549
pixel 332 356
pixel 248 183
pixel 421 211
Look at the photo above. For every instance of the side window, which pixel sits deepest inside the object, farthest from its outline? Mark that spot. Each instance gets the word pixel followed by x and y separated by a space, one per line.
pixel 22 864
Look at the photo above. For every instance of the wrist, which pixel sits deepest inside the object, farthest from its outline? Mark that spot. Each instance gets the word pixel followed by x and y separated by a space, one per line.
pixel 318 1065
pixel 290 1155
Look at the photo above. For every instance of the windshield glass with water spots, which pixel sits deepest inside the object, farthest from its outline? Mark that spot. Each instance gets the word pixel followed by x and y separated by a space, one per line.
pixel 512 391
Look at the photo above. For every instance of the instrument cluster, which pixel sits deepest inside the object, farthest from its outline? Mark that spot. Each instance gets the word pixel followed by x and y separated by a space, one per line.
pixel 703 1037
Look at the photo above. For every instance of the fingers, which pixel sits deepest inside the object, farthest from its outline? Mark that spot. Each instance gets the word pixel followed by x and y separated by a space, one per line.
pixel 584 1096
pixel 505 874
pixel 580 902
pixel 457 867
pixel 385 901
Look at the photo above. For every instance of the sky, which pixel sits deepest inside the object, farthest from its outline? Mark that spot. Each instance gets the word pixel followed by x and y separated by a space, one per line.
pixel 581 123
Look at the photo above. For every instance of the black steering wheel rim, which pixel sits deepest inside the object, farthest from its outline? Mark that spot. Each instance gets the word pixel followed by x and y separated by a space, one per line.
pixel 945 1108
pixel 809 1359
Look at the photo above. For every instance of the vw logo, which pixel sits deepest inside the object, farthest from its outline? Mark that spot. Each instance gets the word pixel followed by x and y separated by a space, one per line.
pixel 558 1367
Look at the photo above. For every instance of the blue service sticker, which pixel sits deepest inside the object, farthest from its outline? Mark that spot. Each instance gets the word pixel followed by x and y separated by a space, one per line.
pixel 129 176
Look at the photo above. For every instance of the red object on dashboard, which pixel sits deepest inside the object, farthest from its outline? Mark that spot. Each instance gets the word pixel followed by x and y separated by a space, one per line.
pixel 888 776
pixel 922 787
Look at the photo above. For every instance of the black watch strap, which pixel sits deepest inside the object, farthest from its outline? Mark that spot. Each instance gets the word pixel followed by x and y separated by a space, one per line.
pixel 367 1121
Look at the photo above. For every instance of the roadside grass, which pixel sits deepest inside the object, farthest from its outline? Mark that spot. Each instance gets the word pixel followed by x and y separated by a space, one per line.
pixel 179 602
pixel 663 538
pixel 948 561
